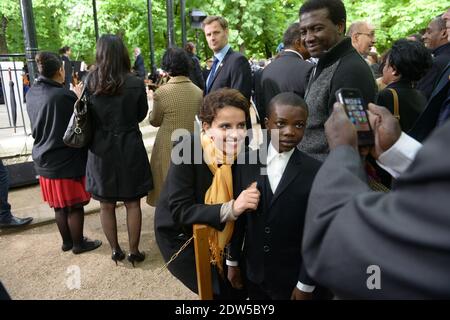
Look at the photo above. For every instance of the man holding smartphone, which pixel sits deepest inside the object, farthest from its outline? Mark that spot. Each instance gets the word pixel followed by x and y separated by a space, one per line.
pixel 401 238
pixel 322 24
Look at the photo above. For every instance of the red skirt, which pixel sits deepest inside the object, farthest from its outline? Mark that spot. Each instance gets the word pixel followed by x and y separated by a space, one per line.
pixel 62 193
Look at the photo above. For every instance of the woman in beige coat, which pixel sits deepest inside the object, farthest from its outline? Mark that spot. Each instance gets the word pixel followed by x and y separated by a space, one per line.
pixel 174 107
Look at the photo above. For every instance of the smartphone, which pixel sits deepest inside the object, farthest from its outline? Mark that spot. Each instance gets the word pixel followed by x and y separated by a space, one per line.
pixel 356 110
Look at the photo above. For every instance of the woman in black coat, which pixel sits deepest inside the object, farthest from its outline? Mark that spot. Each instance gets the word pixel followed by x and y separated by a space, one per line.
pixel 61 169
pixel 183 201
pixel 117 168
pixel 404 64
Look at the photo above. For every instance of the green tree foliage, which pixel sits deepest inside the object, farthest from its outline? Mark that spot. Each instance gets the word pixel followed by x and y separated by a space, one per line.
pixel 256 26
pixel 395 19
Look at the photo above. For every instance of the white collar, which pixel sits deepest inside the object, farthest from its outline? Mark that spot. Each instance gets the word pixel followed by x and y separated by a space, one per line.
pixel 272 153
pixel 296 52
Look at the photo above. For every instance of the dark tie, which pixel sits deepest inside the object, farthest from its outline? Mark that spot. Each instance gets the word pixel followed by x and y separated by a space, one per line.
pixel 212 74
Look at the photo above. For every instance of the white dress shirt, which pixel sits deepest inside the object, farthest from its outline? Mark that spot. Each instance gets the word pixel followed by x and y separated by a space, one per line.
pixel 276 164
pixel 296 52
pixel 397 159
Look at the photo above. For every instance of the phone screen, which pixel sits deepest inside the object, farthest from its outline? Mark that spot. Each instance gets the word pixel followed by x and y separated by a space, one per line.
pixel 354 107
pixel 356 113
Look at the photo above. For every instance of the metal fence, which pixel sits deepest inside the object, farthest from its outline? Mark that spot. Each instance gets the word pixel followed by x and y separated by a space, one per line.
pixel 12 104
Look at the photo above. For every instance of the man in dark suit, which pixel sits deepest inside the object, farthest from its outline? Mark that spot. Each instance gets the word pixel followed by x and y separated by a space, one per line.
pixel 273 234
pixel 139 67
pixel 437 111
pixel 371 245
pixel 436 40
pixel 289 72
pixel 230 69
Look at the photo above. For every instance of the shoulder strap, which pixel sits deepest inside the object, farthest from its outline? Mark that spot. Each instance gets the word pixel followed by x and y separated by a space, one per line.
pixel 84 93
pixel 396 106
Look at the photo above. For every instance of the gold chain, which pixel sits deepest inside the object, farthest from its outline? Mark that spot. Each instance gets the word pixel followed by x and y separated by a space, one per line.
pixel 175 255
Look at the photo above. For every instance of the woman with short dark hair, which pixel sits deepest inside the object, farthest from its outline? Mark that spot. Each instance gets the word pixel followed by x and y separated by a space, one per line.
pixel 117 166
pixel 404 64
pixel 61 169
pixel 199 190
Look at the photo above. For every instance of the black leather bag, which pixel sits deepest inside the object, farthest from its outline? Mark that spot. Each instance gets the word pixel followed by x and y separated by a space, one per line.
pixel 79 131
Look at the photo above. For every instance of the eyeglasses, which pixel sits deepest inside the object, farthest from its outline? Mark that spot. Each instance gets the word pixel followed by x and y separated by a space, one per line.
pixel 370 35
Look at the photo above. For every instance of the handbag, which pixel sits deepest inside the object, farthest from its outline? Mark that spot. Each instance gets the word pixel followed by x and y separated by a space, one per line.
pixel 79 130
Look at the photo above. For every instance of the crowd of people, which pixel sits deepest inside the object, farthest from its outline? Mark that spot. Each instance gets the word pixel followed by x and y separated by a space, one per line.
pixel 298 217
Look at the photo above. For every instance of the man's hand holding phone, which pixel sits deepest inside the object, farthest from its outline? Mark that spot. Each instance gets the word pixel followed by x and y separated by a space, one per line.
pixel 339 129
pixel 386 129
pixel 356 110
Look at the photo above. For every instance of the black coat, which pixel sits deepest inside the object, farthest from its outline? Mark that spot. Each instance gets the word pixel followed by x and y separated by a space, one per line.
pixel 195 73
pixel 68 70
pixel 50 107
pixel 273 234
pixel 234 72
pixel 441 57
pixel 118 167
pixel 439 99
pixel 139 67
pixel 287 73
pixel 411 102
pixel 258 95
pixel 180 206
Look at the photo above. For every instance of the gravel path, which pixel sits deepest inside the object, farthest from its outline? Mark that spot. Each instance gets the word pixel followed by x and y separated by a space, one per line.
pixel 32 266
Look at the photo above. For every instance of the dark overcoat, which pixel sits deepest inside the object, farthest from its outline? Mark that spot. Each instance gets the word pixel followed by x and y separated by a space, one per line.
pixel 118 167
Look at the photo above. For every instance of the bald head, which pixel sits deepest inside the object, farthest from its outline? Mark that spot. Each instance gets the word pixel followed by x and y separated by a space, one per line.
pixel 363 36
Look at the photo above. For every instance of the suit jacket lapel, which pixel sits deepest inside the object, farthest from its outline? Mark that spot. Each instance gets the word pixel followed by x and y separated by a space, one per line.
pixel 220 67
pixel 443 80
pixel 290 173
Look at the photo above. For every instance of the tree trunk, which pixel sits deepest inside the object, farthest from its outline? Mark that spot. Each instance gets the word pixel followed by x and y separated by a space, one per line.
pixel 267 50
pixel 3 25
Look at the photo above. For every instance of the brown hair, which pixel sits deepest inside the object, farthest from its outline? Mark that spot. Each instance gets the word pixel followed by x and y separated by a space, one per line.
pixel 210 19
pixel 219 99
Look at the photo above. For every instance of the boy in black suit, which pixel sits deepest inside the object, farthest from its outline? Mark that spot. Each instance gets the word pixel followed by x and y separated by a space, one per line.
pixel 273 234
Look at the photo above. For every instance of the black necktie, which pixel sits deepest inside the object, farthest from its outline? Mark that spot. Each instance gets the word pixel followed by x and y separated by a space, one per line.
pixel 212 74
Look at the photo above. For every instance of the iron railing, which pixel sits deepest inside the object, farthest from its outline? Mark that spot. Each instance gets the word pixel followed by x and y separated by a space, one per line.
pixel 5 86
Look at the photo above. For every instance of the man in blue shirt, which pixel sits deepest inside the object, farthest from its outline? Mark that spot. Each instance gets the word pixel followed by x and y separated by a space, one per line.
pixel 230 69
